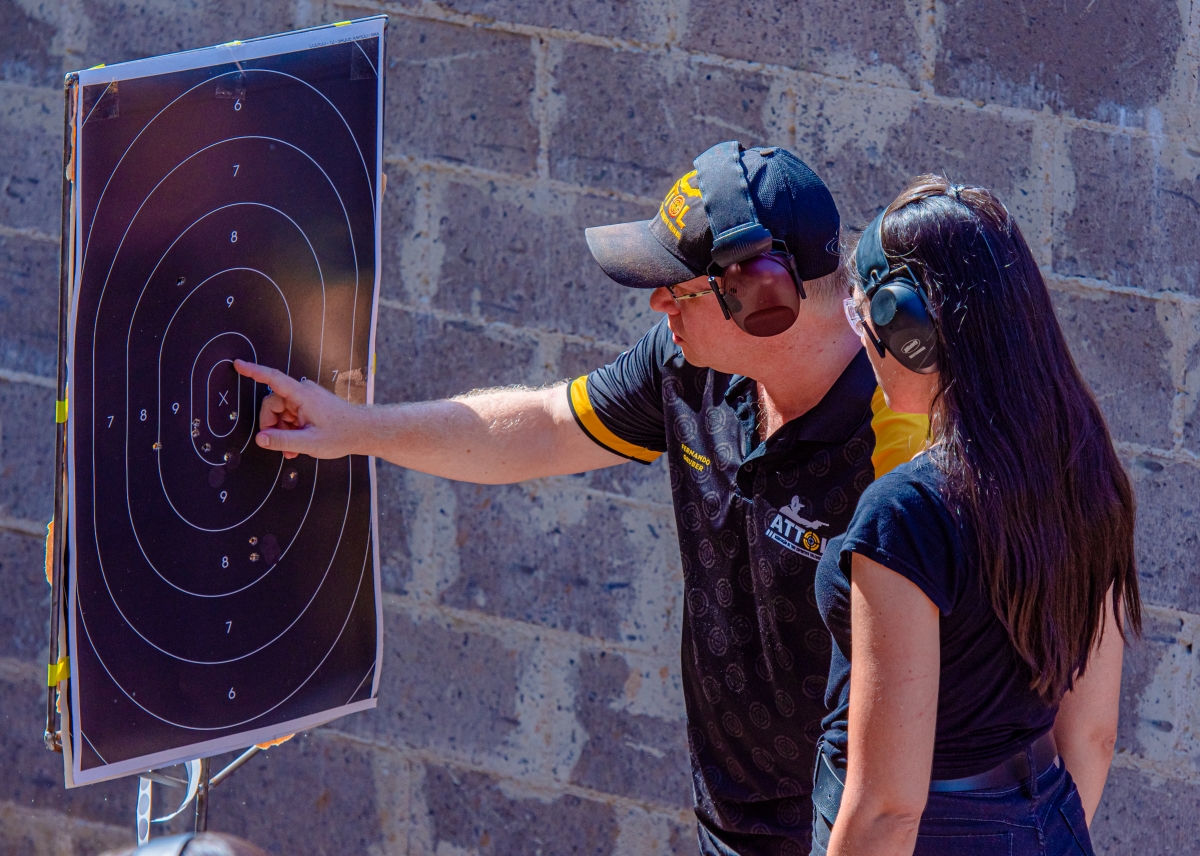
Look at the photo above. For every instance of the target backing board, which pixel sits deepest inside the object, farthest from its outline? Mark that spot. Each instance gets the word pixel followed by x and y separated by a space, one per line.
pixel 224 205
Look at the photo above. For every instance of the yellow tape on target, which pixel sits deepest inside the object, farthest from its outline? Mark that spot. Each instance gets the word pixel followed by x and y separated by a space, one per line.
pixel 58 672
pixel 60 411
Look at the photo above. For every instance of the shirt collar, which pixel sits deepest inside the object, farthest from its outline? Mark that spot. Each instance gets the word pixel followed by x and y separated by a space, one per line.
pixel 836 415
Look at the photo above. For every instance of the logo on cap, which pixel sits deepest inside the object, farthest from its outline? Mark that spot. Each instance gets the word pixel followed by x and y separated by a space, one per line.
pixel 677 204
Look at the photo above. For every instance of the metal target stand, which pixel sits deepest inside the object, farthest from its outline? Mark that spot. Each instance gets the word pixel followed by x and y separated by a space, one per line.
pixel 198 788
pixel 200 783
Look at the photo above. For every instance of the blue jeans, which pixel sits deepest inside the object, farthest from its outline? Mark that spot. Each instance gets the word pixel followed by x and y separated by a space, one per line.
pixel 1040 817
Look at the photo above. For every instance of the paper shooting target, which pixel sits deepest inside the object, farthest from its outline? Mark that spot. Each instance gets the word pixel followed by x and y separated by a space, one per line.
pixel 225 207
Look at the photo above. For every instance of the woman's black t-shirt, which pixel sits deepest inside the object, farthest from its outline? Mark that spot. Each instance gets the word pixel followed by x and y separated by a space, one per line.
pixel 986 710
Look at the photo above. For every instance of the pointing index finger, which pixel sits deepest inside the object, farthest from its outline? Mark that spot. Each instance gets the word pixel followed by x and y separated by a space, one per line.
pixel 274 378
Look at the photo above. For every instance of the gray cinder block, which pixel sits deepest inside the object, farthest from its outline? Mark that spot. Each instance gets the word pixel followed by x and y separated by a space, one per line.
pixel 872 40
pixel 31 168
pixel 1052 55
pixel 461 95
pixel 26 452
pixel 1132 218
pixel 1121 347
pixel 1168 531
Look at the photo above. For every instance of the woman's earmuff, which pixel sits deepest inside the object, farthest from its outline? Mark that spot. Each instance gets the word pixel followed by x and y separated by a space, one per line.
pixel 761 289
pixel 900 310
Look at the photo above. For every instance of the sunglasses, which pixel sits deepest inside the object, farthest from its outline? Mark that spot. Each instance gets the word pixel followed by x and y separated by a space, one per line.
pixel 852 316
pixel 760 294
pixel 850 307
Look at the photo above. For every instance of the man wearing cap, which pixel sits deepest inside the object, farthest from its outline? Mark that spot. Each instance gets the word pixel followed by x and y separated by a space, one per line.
pixel 760 395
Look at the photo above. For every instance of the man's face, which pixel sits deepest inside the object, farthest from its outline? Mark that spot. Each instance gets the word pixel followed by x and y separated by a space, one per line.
pixel 701 330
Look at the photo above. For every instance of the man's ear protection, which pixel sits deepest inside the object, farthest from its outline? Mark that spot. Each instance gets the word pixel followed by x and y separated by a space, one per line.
pixel 761 290
pixel 900 310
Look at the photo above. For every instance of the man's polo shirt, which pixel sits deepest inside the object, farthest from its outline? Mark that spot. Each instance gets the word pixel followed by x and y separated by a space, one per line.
pixel 753 521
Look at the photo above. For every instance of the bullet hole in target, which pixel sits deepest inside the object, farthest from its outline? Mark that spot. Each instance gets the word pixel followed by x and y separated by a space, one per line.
pixel 270 549
pixel 291 478
pixel 232 459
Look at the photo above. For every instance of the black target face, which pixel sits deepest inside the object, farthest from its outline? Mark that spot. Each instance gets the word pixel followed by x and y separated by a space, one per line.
pixel 219 591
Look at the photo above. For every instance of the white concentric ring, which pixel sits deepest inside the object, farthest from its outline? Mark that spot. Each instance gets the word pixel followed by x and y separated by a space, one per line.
pixel 342 534
pixel 350 612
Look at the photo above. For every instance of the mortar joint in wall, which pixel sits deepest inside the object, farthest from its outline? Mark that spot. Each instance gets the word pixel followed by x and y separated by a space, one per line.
pixel 927 37
pixel 435 12
pixel 14 376
pixel 1172 614
pixel 1180 771
pixel 1173 455
pixel 500 627
pixel 483 176
pixel 432 11
pixel 28 233
pixel 35 820
pixel 542 80
pixel 17 526
pixel 541 788
pixel 1085 285
pixel 502 328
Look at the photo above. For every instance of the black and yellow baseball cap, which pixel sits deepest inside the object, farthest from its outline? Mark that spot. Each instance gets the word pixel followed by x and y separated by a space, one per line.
pixel 789 198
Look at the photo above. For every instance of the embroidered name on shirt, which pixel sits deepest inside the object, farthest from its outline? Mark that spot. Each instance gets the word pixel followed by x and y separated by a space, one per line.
pixel 694 459
pixel 789 529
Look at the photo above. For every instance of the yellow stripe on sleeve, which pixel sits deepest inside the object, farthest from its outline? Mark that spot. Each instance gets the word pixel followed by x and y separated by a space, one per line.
pixel 898 436
pixel 586 416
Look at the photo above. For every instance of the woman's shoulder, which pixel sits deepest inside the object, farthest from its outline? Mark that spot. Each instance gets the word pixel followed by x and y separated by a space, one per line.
pixel 912 485
pixel 903 523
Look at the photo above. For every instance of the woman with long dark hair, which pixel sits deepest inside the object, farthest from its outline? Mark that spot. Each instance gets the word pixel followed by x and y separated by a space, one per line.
pixel 982 592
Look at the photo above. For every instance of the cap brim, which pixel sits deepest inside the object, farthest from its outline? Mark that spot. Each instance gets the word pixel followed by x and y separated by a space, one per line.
pixel 630 255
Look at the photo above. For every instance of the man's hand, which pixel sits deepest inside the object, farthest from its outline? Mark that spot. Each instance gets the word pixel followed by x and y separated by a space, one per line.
pixel 495 436
pixel 302 418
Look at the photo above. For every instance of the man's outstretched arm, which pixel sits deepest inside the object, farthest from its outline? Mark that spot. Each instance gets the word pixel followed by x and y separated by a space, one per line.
pixel 491 437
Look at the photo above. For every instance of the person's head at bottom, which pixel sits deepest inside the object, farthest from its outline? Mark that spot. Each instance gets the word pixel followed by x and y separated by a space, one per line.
pixel 982 591
pixel 194 844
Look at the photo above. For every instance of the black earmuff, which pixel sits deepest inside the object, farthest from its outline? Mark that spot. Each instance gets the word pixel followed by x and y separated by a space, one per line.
pixel 762 296
pixel 900 310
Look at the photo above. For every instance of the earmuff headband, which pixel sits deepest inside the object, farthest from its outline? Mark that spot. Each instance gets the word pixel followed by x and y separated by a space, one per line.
pixel 737 234
pixel 870 259
pixel 761 295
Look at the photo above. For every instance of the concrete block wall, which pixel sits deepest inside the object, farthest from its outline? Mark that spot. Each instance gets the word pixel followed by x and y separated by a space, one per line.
pixel 530 700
